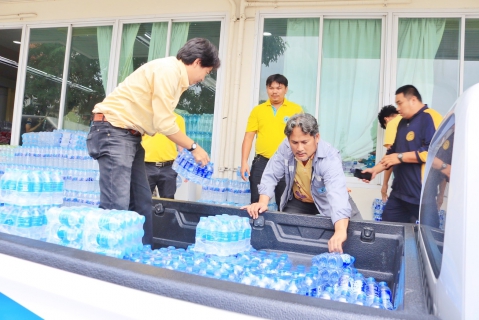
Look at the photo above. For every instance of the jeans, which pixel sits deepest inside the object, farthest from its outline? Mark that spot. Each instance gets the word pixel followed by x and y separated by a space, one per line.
pixel 162 177
pixel 257 169
pixel 123 182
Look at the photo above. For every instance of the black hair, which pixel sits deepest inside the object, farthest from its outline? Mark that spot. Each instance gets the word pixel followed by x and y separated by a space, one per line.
pixel 408 91
pixel 385 112
pixel 279 78
pixel 199 48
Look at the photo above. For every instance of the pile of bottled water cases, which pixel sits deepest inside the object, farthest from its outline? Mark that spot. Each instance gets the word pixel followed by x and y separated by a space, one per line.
pixel 223 235
pixel 63 151
pixel 114 233
pixel 330 276
pixel 377 208
pixel 199 127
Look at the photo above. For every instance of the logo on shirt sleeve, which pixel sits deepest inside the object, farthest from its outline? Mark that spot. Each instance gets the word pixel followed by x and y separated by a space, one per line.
pixel 410 136
pixel 445 146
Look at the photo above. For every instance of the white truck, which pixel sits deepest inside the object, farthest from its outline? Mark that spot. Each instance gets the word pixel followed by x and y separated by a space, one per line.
pixel 431 268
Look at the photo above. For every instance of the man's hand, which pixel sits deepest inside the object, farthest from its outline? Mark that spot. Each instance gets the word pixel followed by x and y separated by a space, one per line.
pixel 373 171
pixel 390 160
pixel 255 209
pixel 384 193
pixel 244 169
pixel 335 244
pixel 200 156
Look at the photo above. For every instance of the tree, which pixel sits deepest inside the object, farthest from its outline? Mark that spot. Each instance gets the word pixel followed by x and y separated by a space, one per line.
pixel 273 48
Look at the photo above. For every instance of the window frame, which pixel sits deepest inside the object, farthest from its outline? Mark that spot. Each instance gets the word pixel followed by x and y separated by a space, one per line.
pixel 389 38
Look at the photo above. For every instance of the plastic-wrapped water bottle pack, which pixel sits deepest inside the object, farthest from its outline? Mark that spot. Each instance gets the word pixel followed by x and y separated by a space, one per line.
pixel 114 233
pixel 330 277
pixel 377 208
pixel 223 235
pixel 188 168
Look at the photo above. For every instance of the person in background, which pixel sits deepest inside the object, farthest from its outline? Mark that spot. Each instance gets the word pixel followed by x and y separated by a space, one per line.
pixel 388 118
pixel 267 121
pixel 407 156
pixel 160 152
pixel 144 103
pixel 28 125
pixel 315 181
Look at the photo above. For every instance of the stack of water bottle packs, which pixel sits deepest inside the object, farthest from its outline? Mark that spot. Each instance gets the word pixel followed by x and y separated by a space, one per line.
pixel 199 128
pixel 337 280
pixel 188 168
pixel 114 233
pixel 223 235
pixel 25 196
pixel 442 219
pixel 377 208
pixel 64 150
pixel 226 192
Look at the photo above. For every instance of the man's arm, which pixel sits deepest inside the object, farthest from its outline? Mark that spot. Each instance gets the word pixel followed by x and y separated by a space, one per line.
pixel 335 243
pixel 384 189
pixel 245 151
pixel 184 141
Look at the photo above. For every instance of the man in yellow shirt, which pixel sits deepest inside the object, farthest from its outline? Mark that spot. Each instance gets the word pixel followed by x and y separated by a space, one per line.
pixel 267 122
pixel 388 119
pixel 144 104
pixel 160 152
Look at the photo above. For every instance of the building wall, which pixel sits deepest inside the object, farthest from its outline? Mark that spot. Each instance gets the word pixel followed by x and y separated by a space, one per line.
pixel 238 89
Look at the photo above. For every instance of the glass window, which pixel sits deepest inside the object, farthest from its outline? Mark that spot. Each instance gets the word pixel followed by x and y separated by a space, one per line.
pixel 428 58
pixel 43 83
pixel 435 192
pixel 87 74
pixel 197 104
pixel 471 53
pixel 10 40
pixel 290 47
pixel 349 91
pixel 140 43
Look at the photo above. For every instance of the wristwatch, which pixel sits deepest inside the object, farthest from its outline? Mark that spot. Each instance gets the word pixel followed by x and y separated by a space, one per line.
pixel 443 166
pixel 193 147
pixel 400 157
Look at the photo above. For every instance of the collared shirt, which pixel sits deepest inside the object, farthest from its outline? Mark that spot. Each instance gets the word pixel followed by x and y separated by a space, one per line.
pixel 328 183
pixel 413 134
pixel 268 123
pixel 159 148
pixel 302 181
pixel 390 132
pixel 146 99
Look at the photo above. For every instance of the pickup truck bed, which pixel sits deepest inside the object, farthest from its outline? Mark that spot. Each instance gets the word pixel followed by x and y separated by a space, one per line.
pixel 385 251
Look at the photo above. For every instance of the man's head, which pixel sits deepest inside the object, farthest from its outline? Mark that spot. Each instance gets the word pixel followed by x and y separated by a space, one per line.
pixel 200 57
pixel 386 114
pixel 408 101
pixel 303 135
pixel 276 87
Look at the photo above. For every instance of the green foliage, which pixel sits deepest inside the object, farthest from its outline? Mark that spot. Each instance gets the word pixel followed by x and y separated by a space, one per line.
pixel 273 48
pixel 44 92
pixel 197 100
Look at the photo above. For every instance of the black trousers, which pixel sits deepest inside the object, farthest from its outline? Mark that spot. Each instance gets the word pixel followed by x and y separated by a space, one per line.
pixel 162 177
pixel 397 210
pixel 257 169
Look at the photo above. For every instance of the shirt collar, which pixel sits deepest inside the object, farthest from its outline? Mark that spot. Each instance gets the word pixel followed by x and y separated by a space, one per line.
pixel 285 102
pixel 321 151
pixel 185 83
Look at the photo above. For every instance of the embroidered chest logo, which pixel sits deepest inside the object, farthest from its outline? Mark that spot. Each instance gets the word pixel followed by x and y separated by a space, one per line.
pixel 445 146
pixel 322 190
pixel 410 136
pixel 285 119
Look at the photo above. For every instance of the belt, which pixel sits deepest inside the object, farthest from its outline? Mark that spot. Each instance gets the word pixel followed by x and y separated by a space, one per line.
pixel 261 157
pixel 162 164
pixel 101 117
